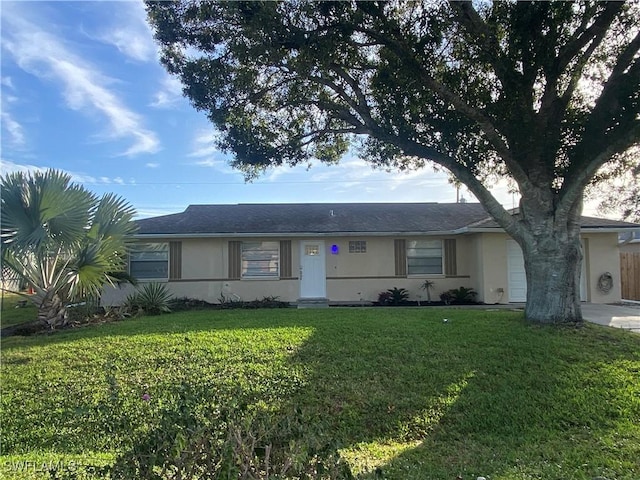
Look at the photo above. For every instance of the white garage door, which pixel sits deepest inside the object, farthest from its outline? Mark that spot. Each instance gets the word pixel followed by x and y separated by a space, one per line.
pixel 517 278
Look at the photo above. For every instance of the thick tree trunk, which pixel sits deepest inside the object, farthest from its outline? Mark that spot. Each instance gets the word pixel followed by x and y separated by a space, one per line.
pixel 553 266
pixel 52 312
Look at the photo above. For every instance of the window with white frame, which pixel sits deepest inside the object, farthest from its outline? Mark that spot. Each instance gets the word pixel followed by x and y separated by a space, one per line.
pixel 357 246
pixel 260 259
pixel 424 257
pixel 149 261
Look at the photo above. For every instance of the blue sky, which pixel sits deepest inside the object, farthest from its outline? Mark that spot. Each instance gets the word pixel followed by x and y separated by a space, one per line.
pixel 83 91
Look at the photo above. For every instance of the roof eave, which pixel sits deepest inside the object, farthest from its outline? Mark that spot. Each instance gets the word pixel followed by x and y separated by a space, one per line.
pixel 142 236
pixel 606 229
pixel 619 229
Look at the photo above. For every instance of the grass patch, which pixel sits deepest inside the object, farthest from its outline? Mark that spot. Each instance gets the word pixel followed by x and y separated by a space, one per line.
pixel 397 393
pixel 13 313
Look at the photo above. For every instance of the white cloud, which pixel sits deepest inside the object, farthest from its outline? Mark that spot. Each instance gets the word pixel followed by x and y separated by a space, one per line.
pixel 131 43
pixel 44 55
pixel 152 165
pixel 10 125
pixel 7 166
pixel 14 129
pixel 169 94
pixel 132 35
pixel 7 82
pixel 145 212
pixel 354 174
pixel 210 163
pixel 204 150
pixel 207 154
pixel 355 171
pixel 204 144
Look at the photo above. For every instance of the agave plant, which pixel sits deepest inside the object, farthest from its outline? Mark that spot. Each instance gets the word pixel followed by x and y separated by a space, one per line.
pixel 398 296
pixel 150 299
pixel 61 240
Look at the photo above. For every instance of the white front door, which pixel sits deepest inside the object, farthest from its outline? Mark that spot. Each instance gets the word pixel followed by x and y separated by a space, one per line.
pixel 517 278
pixel 313 280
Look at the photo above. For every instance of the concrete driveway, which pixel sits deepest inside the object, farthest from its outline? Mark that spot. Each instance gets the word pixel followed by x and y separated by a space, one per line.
pixel 619 316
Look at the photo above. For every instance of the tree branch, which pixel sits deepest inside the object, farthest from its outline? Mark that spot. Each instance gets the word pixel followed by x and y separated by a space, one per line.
pixel 597 131
pixel 468 17
pixel 506 220
pixel 553 107
pixel 572 190
pixel 483 121
pixel 310 137
pixel 411 148
pixel 583 36
pixel 614 102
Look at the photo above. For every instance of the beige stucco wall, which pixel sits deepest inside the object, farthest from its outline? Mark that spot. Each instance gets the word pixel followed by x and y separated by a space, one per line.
pixel 481 264
pixel 490 267
pixel 204 258
pixel 351 277
pixel 601 255
pixel 378 261
pixel 362 276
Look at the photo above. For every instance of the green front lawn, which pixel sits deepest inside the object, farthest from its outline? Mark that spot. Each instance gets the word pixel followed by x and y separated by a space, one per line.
pixel 395 393
pixel 13 313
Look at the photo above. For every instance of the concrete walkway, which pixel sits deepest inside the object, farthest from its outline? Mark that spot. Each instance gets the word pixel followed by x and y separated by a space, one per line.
pixel 619 316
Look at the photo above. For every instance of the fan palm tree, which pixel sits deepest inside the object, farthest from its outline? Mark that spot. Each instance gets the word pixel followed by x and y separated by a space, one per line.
pixel 61 240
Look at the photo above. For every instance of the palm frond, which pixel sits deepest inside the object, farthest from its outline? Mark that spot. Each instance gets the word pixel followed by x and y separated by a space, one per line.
pixel 43 209
pixel 112 218
pixel 58 237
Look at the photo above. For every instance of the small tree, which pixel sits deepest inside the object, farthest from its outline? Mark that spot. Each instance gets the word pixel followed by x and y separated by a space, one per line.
pixel 427 285
pixel 61 240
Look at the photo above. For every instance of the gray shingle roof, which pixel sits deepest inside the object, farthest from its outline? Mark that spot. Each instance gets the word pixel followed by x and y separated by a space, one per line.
pixel 326 218
pixel 585 222
pixel 315 218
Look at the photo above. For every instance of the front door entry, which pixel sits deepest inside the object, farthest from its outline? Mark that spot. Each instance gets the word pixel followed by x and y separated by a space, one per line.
pixel 313 280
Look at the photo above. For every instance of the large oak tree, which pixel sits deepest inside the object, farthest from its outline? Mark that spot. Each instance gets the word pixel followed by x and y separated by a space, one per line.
pixel 545 93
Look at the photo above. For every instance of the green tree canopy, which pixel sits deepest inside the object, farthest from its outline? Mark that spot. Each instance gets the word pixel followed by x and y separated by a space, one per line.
pixel 544 93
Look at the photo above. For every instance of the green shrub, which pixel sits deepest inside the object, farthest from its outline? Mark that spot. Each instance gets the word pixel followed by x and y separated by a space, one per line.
pixel 185 303
pixel 150 299
pixel 393 296
pixel 265 302
pixel 446 297
pixel 80 312
pixel 462 295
